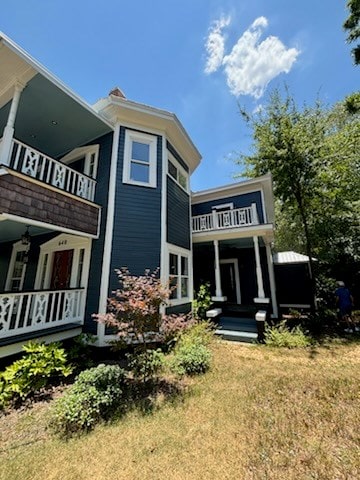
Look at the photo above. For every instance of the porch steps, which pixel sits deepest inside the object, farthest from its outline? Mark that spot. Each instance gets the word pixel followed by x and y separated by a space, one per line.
pixel 239 329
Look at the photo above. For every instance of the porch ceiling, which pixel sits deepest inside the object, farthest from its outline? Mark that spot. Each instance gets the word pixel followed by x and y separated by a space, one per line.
pixel 233 243
pixel 11 231
pixel 50 120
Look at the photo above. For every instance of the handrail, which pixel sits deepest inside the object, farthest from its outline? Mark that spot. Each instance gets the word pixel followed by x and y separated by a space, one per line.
pixel 220 220
pixel 36 164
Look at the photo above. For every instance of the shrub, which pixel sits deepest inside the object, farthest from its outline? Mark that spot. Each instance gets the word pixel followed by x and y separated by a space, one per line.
pixel 202 333
pixel 40 364
pixel 134 310
pixel 92 398
pixel 191 359
pixel 202 301
pixel 147 364
pixel 282 336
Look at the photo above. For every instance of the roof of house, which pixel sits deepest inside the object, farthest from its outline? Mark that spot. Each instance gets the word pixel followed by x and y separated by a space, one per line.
pixel 281 258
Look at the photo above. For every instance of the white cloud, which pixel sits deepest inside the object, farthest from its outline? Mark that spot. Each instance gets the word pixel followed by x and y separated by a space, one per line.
pixel 215 45
pixel 251 64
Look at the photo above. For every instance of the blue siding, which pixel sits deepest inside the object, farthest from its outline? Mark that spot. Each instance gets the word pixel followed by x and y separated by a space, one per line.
pixel 137 227
pixel 101 197
pixel 178 215
pixel 239 201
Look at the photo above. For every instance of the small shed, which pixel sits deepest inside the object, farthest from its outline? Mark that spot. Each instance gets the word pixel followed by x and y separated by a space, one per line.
pixel 293 285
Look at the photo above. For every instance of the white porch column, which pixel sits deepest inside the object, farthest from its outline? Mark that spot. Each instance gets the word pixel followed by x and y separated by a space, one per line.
pixel 218 291
pixel 8 134
pixel 272 279
pixel 259 276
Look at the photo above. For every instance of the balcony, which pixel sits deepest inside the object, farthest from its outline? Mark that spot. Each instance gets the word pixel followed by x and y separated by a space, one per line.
pixel 227 219
pixel 25 312
pixel 39 166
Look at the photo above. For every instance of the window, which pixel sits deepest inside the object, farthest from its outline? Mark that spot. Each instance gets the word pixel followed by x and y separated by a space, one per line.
pixel 83 160
pixel 179 276
pixel 17 267
pixel 178 173
pixel 140 159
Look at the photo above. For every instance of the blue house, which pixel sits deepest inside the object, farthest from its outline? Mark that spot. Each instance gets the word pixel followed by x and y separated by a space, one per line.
pixel 85 190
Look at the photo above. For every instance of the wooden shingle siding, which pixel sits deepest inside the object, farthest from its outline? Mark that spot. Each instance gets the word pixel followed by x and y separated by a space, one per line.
pixel 178 215
pixel 137 226
pixel 24 198
pixel 239 201
pixel 101 197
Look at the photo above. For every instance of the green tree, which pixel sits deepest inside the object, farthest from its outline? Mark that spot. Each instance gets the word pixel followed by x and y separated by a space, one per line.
pixel 312 154
pixel 352 26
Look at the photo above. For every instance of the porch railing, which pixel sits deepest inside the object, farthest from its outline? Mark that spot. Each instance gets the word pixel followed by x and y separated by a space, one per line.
pixel 220 220
pixel 37 165
pixel 23 312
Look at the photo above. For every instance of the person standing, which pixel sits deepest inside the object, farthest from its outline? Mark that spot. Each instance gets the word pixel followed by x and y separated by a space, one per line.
pixel 345 302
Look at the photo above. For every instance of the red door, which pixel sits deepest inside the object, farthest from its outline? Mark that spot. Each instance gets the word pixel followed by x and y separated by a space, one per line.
pixel 61 270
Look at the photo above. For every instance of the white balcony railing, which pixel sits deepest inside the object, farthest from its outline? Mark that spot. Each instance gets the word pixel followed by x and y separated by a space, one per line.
pixel 31 162
pixel 220 220
pixel 23 312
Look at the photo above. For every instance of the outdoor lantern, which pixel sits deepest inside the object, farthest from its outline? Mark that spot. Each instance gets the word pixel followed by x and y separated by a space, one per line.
pixel 25 237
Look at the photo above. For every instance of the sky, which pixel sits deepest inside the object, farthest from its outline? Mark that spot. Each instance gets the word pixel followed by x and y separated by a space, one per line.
pixel 199 59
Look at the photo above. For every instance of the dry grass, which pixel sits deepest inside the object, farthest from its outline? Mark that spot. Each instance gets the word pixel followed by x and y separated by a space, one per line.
pixel 259 414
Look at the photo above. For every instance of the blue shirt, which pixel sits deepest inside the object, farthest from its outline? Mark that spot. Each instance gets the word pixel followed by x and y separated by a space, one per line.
pixel 344 297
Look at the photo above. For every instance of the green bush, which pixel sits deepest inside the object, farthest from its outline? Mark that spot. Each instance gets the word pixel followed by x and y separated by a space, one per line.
pixel 95 394
pixel 147 364
pixel 282 336
pixel 202 302
pixel 202 333
pixel 40 364
pixel 191 359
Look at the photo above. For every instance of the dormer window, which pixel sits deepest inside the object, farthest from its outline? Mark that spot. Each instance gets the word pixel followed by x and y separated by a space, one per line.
pixel 178 173
pixel 140 159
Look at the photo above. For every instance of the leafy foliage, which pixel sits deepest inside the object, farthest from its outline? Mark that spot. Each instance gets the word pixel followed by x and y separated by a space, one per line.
pixel 147 364
pixel 33 371
pixel 191 359
pixel 352 25
pixel 312 154
pixel 134 310
pixel 192 355
pixel 202 301
pixel 93 396
pixel 282 336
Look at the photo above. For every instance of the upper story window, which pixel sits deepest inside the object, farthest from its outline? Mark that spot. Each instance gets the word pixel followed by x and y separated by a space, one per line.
pixel 83 160
pixel 140 159
pixel 178 173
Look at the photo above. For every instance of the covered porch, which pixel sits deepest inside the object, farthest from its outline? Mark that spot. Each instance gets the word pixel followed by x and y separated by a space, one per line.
pixel 43 283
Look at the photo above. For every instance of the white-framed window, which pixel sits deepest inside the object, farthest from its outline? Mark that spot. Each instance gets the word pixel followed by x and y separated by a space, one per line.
pixel 140 159
pixel 178 173
pixel 179 276
pixel 83 160
pixel 17 267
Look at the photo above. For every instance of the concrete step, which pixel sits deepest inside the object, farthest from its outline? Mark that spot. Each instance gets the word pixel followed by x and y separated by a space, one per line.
pixel 236 336
pixel 237 324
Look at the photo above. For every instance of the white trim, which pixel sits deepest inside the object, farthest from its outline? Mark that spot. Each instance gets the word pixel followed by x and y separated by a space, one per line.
pixel 180 170
pixel 57 244
pixel 163 248
pixel 180 252
pixel 233 233
pixel 17 247
pixel 263 205
pixel 235 262
pixel 229 205
pixel 259 275
pixel 150 140
pixel 9 171
pixel 84 152
pixel 51 77
pixel 109 231
pixel 49 226
pixel 271 279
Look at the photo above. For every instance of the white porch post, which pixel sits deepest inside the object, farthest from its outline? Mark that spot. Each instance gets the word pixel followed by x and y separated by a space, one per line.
pixel 218 291
pixel 8 134
pixel 259 276
pixel 271 278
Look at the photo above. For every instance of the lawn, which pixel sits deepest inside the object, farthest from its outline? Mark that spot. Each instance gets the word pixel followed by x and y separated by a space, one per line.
pixel 260 413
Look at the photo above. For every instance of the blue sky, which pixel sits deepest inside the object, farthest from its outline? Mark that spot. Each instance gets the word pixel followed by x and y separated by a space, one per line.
pixel 196 58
